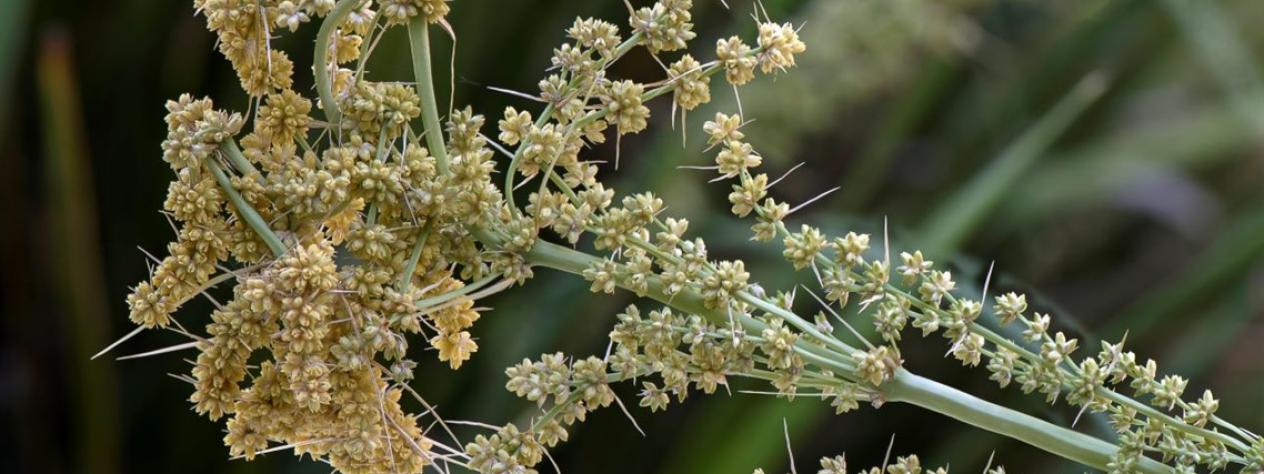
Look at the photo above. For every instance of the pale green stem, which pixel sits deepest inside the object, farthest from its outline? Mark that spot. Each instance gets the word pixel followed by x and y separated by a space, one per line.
pixel 745 296
pixel 239 161
pixel 451 295
pixel 406 278
pixel 419 40
pixel 248 213
pixel 547 114
pixel 1114 396
pixel 926 393
pixel 320 59
pixel 512 170
pixel 904 387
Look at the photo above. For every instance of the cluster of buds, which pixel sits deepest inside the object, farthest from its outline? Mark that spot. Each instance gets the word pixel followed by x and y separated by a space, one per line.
pixel 350 240
pixel 668 354
pixel 1185 433
pixel 350 236
pixel 902 465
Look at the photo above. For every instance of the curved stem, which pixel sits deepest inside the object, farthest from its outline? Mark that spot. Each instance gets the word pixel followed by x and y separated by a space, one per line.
pixel 419 41
pixel 238 159
pixel 926 393
pixel 905 387
pixel 406 278
pixel 248 213
pixel 512 170
pixel 320 59
pixel 428 303
pixel 1116 397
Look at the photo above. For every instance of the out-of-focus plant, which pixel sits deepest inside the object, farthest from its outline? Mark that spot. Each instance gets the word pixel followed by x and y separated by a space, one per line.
pixel 350 235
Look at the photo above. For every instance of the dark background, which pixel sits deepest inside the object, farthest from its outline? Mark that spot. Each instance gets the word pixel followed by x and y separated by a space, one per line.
pixel 1139 211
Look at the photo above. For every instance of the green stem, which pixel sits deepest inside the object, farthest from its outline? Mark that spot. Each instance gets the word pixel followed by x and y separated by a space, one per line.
pixel 906 387
pixel 320 59
pixel 427 303
pixel 238 159
pixel 406 278
pixel 512 170
pixel 1001 341
pixel 419 40
pixel 547 114
pixel 248 213
pixel 1117 397
pixel 926 393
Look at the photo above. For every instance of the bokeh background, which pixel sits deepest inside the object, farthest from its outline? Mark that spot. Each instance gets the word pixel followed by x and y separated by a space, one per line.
pixel 1105 154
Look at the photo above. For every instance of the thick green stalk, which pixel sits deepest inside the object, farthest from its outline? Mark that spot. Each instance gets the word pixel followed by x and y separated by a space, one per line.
pixel 926 393
pixel 406 278
pixel 238 159
pixel 906 387
pixel 320 59
pixel 419 40
pixel 252 217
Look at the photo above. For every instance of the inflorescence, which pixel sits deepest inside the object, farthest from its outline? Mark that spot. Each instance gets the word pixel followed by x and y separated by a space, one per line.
pixel 354 235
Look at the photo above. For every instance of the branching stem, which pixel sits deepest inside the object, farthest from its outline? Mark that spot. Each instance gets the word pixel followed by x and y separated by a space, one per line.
pixel 321 63
pixel 247 213
pixel 419 41
pixel 926 393
pixel 905 387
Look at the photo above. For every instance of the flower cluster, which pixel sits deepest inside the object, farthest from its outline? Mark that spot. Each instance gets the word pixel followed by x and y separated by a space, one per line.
pixel 401 11
pixel 665 25
pixel 351 240
pixel 667 353
pixel 901 465
pixel 353 235
pixel 1185 433
pixel 245 29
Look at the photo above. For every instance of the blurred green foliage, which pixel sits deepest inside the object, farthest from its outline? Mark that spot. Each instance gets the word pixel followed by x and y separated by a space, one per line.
pixel 960 122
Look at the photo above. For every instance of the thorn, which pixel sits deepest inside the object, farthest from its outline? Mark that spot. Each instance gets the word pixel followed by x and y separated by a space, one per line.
pixel 287 446
pixel 955 344
pixel 784 175
pixel 119 341
pixel 177 347
pixel 515 93
pixel 784 394
pixel 474 423
pixel 785 428
pixel 839 318
pixel 525 181
pixel 986 281
pixel 810 201
pixel 629 415
pixel 1078 415
pixel 552 461
pixel 886 243
pixel 887 458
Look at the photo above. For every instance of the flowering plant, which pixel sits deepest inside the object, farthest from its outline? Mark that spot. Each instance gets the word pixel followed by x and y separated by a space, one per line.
pixel 353 234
